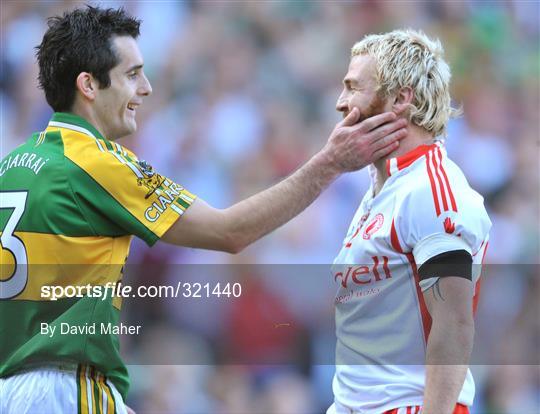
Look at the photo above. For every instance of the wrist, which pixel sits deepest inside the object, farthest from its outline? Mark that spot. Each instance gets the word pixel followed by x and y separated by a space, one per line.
pixel 325 165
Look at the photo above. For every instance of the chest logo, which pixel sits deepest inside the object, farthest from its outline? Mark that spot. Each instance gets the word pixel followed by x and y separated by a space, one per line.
pixel 373 226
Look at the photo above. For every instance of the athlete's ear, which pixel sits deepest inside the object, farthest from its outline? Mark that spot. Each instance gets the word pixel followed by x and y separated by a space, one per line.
pixel 403 100
pixel 87 85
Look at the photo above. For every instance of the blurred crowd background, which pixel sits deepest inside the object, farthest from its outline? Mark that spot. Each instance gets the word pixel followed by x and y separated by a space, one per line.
pixel 244 93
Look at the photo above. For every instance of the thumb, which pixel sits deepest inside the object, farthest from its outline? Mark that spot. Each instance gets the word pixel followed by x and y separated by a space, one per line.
pixel 351 119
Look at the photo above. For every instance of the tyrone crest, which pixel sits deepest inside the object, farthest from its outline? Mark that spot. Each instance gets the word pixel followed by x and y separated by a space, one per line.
pixel 372 227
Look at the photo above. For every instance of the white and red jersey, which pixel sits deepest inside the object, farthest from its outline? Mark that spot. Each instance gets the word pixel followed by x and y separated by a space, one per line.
pixel 425 208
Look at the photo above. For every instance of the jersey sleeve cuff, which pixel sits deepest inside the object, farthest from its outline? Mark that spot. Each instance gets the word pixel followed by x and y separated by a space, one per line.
pixel 436 244
pixel 171 215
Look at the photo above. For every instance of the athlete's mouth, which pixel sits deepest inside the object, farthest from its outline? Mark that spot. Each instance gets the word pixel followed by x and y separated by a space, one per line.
pixel 132 106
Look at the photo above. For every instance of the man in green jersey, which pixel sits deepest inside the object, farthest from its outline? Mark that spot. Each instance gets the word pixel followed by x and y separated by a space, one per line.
pixel 72 198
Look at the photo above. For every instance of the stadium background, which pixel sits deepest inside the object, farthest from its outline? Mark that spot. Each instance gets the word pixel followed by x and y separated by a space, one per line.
pixel 244 92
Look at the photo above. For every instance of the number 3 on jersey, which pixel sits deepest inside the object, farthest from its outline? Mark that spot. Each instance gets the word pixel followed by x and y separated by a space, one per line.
pixel 13 283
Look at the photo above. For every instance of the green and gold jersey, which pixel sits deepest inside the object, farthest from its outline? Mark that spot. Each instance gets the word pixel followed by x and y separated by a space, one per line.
pixel 70 202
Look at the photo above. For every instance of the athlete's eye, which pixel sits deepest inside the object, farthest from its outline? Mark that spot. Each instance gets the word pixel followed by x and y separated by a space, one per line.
pixel 132 75
pixel 352 88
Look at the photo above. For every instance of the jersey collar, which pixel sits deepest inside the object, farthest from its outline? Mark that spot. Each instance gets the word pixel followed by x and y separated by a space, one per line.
pixel 393 165
pixel 75 123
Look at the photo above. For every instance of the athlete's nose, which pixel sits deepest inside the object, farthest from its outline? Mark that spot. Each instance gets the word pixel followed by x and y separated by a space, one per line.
pixel 146 88
pixel 342 105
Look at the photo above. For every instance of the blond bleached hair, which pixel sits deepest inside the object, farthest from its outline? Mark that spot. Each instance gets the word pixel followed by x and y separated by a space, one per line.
pixel 408 58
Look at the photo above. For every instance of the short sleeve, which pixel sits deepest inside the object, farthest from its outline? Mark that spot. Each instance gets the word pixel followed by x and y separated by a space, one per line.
pixel 116 186
pixel 427 234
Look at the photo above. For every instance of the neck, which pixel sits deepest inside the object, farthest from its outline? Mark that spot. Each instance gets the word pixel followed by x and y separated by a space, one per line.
pixel 89 115
pixel 417 136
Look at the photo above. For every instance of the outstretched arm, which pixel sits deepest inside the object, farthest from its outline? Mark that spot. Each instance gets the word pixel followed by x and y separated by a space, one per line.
pixel 351 146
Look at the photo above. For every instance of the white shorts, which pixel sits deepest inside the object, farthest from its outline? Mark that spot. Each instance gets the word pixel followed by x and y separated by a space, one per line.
pixel 59 389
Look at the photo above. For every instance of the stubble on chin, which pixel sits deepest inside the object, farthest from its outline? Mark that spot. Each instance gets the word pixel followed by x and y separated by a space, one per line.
pixel 376 107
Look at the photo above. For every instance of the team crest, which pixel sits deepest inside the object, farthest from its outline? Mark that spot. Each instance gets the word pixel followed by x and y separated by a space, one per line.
pixel 150 179
pixel 373 226
pixel 145 168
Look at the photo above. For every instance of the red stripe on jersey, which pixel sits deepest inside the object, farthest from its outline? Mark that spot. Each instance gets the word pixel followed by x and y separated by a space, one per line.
pixel 477 286
pixel 409 410
pixel 405 160
pixel 426 317
pixel 480 248
pixel 485 251
pixel 417 409
pixel 436 167
pixel 433 185
pixel 394 238
pixel 476 296
pixel 393 411
pixel 461 409
pixel 452 199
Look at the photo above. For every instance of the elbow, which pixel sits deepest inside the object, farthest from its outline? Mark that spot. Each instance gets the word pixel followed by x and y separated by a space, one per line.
pixel 466 327
pixel 233 237
pixel 459 331
pixel 233 244
pixel 465 339
pixel 450 342
pixel 465 333
pixel 461 325
pixel 233 248
pixel 464 322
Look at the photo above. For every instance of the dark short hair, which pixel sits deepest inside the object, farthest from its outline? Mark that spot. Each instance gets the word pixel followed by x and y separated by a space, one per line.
pixel 80 41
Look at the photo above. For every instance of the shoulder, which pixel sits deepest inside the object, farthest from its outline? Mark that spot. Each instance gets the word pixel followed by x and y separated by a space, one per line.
pixel 103 160
pixel 436 199
pixel 438 188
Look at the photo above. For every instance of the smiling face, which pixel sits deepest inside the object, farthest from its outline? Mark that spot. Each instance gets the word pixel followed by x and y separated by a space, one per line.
pixel 360 90
pixel 115 107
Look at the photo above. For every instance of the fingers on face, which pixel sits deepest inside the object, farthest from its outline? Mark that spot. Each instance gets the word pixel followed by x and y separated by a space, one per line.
pixel 383 152
pixel 388 129
pixel 351 118
pixel 373 122
pixel 390 139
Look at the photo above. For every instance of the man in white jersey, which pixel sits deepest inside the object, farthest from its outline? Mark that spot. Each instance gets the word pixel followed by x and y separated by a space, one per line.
pixel 408 271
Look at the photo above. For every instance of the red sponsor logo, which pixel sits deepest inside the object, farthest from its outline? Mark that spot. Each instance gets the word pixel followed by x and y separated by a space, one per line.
pixel 449 226
pixel 363 275
pixel 372 227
